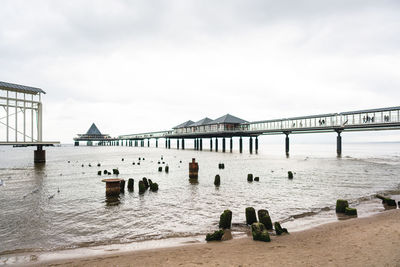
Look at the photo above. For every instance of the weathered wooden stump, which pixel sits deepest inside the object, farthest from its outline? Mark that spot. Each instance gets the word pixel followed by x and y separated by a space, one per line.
pixel 259 232
pixel 216 236
pixel 249 177
pixel 122 186
pixel 154 187
pixel 257 179
pixel 193 169
pixel 390 202
pixel 225 220
pixel 98 172
pixel 112 186
pixel 217 180
pixel 350 211
pixel 105 172
pixel 130 184
pixel 98 164
pixel 279 230
pixel 250 216
pixel 116 171
pixel 167 169
pixel 142 188
pixel 341 205
pixel 264 218
pixel 290 174
pixel 145 182
pixel 160 169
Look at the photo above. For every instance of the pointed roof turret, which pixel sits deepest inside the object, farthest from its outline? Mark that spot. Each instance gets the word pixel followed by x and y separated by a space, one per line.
pixel 93 130
pixel 183 125
pixel 202 122
pixel 228 118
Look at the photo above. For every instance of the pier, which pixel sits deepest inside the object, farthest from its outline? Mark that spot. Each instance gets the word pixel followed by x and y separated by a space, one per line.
pixel 227 127
pixel 21 122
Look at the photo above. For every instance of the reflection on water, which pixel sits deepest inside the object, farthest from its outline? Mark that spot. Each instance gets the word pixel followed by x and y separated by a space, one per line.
pixel 61 204
pixel 112 200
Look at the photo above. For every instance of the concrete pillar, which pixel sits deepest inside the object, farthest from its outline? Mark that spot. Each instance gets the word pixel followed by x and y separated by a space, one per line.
pixel 339 145
pixel 156 142
pixel 256 145
pixel 210 144
pixel 169 143
pixel 231 145
pixel 287 144
pixel 223 144
pixel 136 143
pixel 177 143
pixel 39 155
pixel 166 143
pixel 201 144
pixel 76 143
pixel 183 143
pixel 142 142
pixel 195 144
pixel 251 145
pixel 148 142
pixel 216 144
pixel 240 145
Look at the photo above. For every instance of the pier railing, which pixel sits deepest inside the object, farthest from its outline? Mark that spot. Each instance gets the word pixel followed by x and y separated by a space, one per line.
pixel 355 120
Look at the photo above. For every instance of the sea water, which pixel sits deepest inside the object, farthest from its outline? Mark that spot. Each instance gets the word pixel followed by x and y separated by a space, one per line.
pixel 62 204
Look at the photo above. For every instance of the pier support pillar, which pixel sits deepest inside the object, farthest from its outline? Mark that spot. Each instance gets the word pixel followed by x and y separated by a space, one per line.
pixel 216 144
pixel 210 144
pixel 183 144
pixel 76 143
pixel 89 143
pixel 231 144
pixel 240 145
pixel 287 144
pixel 256 144
pixel 148 142
pixel 201 144
pixel 166 143
pixel 177 143
pixel 195 144
pixel 251 145
pixel 136 143
pixel 169 143
pixel 39 155
pixel 339 144
pixel 156 142
pixel 223 144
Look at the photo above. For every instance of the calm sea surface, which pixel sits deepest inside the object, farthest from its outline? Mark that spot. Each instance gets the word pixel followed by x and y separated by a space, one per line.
pixel 36 217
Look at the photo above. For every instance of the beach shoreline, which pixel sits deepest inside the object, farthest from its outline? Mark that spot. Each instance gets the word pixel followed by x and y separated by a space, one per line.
pixel 367 241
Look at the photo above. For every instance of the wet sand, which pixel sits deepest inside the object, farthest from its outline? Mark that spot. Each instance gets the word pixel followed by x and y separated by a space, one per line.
pixel 371 241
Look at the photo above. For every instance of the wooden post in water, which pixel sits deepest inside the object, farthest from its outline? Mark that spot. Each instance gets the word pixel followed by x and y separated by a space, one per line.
pixel 211 144
pixel 193 169
pixel 339 144
pixel 201 144
pixel 251 145
pixel 177 143
pixel 287 144
pixel 183 144
pixel 231 145
pixel 216 144
pixel 240 144
pixel 223 144
pixel 256 144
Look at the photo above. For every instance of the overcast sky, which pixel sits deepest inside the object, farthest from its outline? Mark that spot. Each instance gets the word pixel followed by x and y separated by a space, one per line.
pixel 136 66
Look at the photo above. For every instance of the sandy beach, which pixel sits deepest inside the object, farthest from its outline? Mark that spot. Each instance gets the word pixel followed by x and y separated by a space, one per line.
pixel 371 241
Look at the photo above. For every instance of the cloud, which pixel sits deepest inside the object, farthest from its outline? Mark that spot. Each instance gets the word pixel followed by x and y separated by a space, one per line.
pixel 149 65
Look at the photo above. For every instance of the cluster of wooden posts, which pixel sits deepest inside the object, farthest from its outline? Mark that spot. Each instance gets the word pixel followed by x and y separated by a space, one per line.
pixel 260 229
